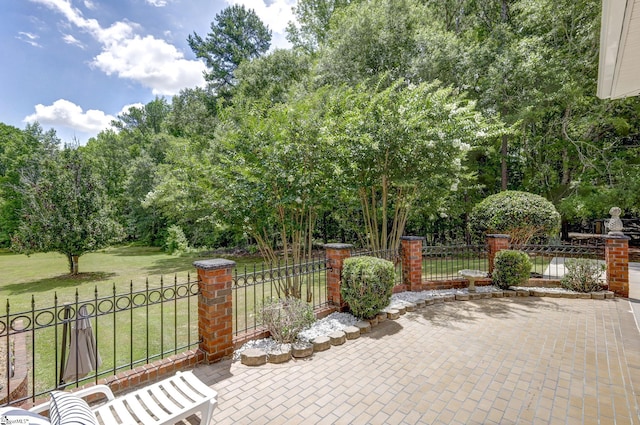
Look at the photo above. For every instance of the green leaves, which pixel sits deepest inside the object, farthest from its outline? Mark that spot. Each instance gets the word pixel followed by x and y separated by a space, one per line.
pixel 237 35
pixel 398 143
pixel 64 210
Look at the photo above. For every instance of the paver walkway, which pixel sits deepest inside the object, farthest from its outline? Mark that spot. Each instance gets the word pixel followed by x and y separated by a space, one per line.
pixel 499 361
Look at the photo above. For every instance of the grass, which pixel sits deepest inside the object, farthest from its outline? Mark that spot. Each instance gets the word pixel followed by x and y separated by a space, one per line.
pixel 45 275
pixel 42 279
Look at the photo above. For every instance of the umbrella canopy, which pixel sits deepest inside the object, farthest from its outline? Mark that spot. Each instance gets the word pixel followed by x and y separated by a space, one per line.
pixel 83 355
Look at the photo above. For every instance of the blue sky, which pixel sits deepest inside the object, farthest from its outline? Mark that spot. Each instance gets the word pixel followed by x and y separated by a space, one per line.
pixel 74 65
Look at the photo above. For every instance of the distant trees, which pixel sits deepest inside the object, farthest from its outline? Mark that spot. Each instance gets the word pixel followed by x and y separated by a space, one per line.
pixel 21 151
pixel 237 35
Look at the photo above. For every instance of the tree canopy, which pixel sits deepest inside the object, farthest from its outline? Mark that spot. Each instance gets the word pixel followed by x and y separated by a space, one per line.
pixel 384 117
pixel 236 35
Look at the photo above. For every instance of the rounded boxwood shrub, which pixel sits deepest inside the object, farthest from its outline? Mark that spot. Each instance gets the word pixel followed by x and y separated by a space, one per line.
pixel 522 215
pixel 367 285
pixel 511 268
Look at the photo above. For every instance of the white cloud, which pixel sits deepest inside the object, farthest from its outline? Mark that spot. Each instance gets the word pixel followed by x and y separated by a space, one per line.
pixel 276 15
pixel 69 39
pixel 125 108
pixel 29 38
pixel 157 3
pixel 67 114
pixel 89 4
pixel 152 62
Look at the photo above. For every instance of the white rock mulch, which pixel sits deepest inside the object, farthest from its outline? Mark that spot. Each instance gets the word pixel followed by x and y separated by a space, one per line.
pixel 331 323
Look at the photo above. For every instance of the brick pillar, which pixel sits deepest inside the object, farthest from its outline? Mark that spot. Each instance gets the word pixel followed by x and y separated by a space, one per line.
pixel 412 262
pixel 495 243
pixel 336 253
pixel 215 308
pixel 616 255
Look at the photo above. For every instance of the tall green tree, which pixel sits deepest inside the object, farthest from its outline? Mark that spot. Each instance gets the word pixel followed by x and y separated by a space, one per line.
pixel 64 210
pixel 313 19
pixel 236 35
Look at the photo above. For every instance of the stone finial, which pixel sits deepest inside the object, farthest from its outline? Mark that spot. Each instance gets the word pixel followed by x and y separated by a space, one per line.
pixel 614 224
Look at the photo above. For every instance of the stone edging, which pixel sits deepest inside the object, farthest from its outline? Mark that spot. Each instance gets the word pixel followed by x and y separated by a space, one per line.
pixel 258 357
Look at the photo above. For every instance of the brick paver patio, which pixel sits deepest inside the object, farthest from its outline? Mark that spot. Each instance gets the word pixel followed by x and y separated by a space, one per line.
pixel 499 361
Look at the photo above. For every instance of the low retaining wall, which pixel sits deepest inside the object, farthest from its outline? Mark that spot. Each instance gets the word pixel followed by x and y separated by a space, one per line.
pixel 18 385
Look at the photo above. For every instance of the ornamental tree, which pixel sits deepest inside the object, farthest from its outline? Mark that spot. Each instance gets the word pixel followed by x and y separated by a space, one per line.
pixel 64 210
pixel 270 171
pixel 397 144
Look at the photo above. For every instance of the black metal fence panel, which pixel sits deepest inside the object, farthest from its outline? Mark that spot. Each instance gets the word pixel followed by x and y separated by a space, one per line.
pixel 252 286
pixel 127 329
pixel 444 262
pixel 549 260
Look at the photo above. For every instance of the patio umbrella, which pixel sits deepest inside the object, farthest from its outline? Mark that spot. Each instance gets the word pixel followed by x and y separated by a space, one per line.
pixel 83 356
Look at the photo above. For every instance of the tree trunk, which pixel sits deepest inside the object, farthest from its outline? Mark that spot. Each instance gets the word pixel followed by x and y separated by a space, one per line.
pixel 504 150
pixel 74 265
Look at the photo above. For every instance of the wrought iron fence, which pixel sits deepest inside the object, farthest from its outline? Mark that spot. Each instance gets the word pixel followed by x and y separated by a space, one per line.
pixel 252 286
pixel 392 255
pixel 129 329
pixel 549 260
pixel 444 262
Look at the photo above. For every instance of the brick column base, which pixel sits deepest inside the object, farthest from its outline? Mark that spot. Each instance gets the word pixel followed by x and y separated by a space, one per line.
pixel 215 308
pixel 336 254
pixel 616 255
pixel 495 243
pixel 412 262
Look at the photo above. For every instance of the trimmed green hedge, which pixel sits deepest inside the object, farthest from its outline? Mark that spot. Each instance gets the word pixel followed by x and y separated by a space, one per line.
pixel 522 215
pixel 367 285
pixel 511 268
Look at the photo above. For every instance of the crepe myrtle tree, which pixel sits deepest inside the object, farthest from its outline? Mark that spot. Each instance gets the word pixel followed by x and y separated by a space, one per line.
pixel 64 210
pixel 397 143
pixel 271 169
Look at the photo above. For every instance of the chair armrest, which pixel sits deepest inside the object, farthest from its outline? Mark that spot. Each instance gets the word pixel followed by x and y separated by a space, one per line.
pixel 84 392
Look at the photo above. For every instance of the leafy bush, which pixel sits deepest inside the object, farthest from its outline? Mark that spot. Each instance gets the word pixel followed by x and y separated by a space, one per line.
pixel 176 242
pixel 522 215
pixel 583 275
pixel 367 285
pixel 285 318
pixel 511 268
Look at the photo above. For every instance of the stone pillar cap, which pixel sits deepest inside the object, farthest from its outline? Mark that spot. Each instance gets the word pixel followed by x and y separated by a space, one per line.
pixel 412 238
pixel 612 235
pixel 338 246
pixel 214 264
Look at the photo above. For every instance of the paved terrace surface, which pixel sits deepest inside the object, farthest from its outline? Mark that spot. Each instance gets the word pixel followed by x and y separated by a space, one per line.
pixel 498 361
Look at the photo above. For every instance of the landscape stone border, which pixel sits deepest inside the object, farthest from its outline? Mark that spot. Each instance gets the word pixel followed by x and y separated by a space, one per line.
pixel 258 357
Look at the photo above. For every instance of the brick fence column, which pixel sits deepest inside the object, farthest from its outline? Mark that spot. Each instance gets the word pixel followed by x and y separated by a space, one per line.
pixel 412 262
pixel 336 254
pixel 616 255
pixel 215 308
pixel 496 242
